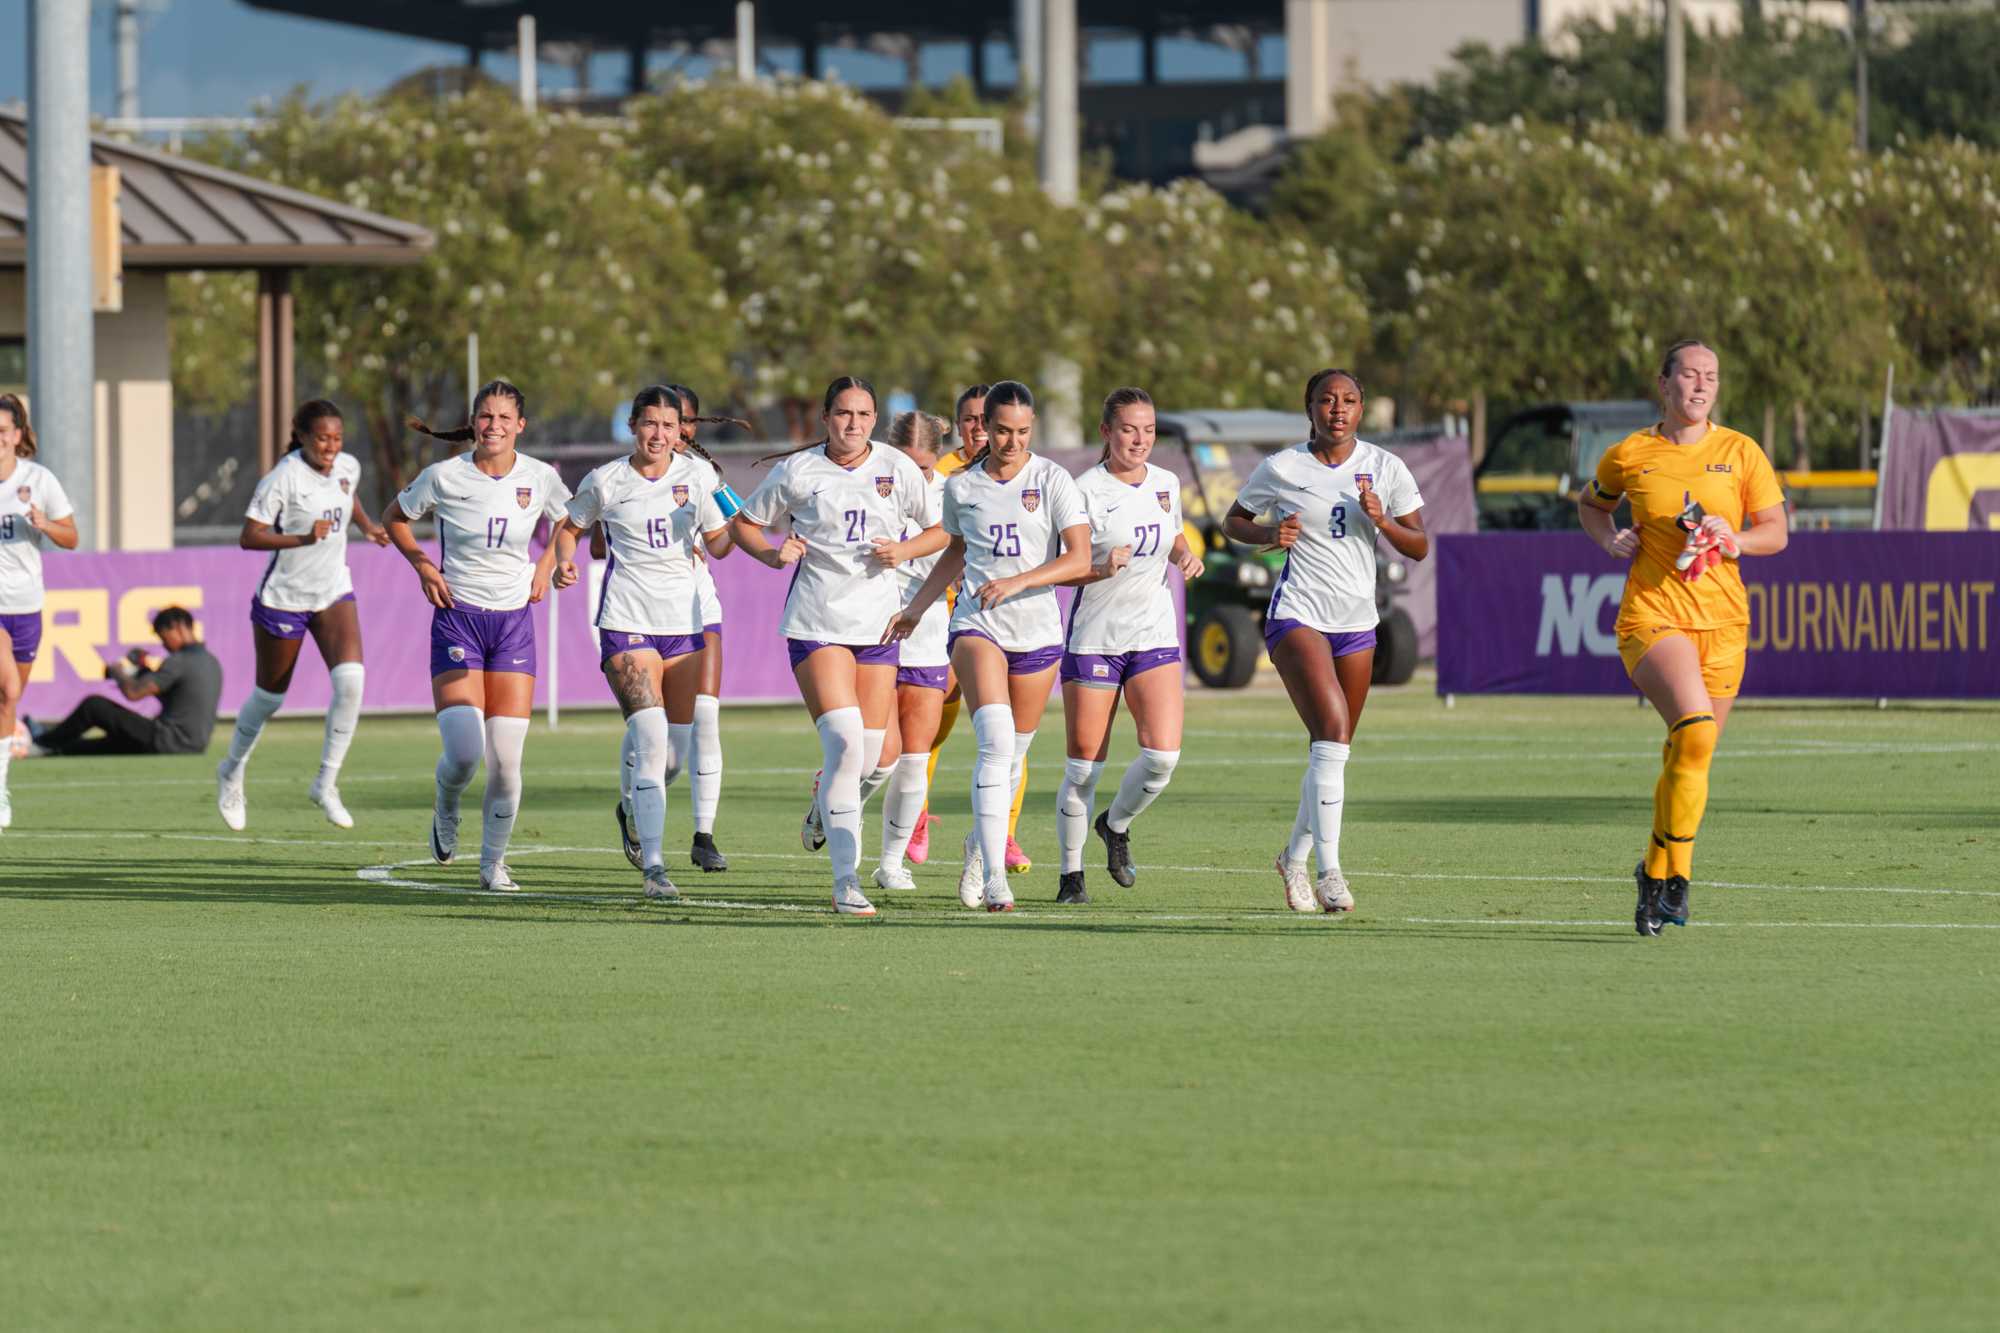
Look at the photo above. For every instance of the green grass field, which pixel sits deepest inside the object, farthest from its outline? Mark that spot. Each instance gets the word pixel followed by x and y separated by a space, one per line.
pixel 303 1079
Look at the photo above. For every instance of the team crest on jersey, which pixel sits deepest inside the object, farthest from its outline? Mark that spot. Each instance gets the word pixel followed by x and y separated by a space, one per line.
pixel 23 494
pixel 524 496
pixel 884 485
pixel 680 495
pixel 1364 480
pixel 1166 499
pixel 1031 500
pixel 345 486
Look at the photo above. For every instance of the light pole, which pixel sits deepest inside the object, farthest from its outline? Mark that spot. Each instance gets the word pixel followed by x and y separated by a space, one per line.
pixel 61 354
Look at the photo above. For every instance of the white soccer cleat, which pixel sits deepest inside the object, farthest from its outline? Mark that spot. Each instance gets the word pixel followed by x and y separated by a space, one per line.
pixel 999 898
pixel 229 797
pixel 444 833
pixel 6 810
pixel 972 873
pixel 658 887
pixel 1331 892
pixel 849 901
pixel 497 879
pixel 896 879
pixel 1298 887
pixel 328 800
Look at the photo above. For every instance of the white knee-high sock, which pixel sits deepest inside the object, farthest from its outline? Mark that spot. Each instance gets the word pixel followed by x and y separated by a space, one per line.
pixel 250 720
pixel 463 729
pixel 840 742
pixel 1074 800
pixel 903 805
pixel 1299 846
pixel 705 773
pixel 646 734
pixel 1329 775
pixel 341 716
pixel 628 761
pixel 504 738
pixel 992 785
pixel 873 775
pixel 681 734
pixel 1145 778
pixel 1022 740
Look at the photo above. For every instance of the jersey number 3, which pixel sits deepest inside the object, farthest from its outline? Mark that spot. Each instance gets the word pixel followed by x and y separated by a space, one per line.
pixel 1337 521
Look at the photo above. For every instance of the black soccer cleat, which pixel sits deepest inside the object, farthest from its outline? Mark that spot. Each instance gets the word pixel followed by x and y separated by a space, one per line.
pixel 627 839
pixel 704 854
pixel 1117 851
pixel 1672 902
pixel 1071 890
pixel 1646 916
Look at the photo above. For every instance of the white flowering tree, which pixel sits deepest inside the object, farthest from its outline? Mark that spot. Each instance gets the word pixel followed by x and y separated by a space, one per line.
pixel 849 246
pixel 576 267
pixel 1203 305
pixel 1929 217
pixel 1533 263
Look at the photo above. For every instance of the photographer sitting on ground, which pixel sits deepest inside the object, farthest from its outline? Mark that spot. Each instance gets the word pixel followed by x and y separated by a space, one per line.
pixel 188 684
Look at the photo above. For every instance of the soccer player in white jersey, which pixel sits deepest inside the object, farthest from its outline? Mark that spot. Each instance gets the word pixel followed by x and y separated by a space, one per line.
pixel 33 510
pixel 923 675
pixel 1124 640
pixel 1330 498
pixel 488 502
pixel 704 760
pixel 299 513
pixel 657 507
pixel 847 500
pixel 1018 529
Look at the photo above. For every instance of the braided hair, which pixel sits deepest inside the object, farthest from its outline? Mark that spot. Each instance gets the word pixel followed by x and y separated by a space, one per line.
pixel 833 391
pixel 466 434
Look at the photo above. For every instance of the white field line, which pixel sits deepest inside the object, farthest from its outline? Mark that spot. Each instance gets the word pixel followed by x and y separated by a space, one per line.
pixel 387 875
pixel 250 840
pixel 1364 758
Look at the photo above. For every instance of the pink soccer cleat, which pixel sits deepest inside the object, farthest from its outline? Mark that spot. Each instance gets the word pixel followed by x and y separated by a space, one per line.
pixel 1017 860
pixel 919 850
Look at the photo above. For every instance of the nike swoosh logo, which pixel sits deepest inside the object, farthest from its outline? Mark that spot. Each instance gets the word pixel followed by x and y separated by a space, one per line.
pixel 1114 509
pixel 835 814
pixel 1644 470
pixel 1329 803
pixel 989 786
pixel 519 660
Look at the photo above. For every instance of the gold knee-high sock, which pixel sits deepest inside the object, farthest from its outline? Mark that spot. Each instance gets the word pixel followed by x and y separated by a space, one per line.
pixel 1020 795
pixel 945 721
pixel 1683 792
pixel 1656 846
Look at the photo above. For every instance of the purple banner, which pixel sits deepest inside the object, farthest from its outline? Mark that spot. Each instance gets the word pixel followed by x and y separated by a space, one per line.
pixel 1941 471
pixel 1837 615
pixel 101 604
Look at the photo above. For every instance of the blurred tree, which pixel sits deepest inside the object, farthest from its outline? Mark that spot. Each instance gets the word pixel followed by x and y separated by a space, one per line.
pixel 574 263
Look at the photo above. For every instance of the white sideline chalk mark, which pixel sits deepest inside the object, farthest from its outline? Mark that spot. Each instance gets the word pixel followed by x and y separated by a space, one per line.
pixel 1245 871
pixel 1363 757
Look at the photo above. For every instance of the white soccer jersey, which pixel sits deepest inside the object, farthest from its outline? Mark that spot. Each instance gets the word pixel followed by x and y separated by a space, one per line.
pixel 20 545
pixel 291 498
pixel 839 594
pixel 1133 610
pixel 926 647
pixel 651 530
pixel 1328 581
pixel 1011 527
pixel 484 524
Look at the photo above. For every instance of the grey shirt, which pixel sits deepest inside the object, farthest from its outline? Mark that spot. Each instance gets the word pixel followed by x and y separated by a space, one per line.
pixel 190 682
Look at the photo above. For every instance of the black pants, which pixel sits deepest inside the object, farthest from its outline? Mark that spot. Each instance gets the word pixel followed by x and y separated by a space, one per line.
pixel 125 732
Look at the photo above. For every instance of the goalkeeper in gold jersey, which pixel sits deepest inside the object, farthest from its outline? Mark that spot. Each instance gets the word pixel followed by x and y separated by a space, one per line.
pixel 1702 496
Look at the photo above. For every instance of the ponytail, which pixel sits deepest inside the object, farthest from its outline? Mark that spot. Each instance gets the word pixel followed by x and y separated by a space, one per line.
pixel 11 404
pixel 465 434
pixel 1115 402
